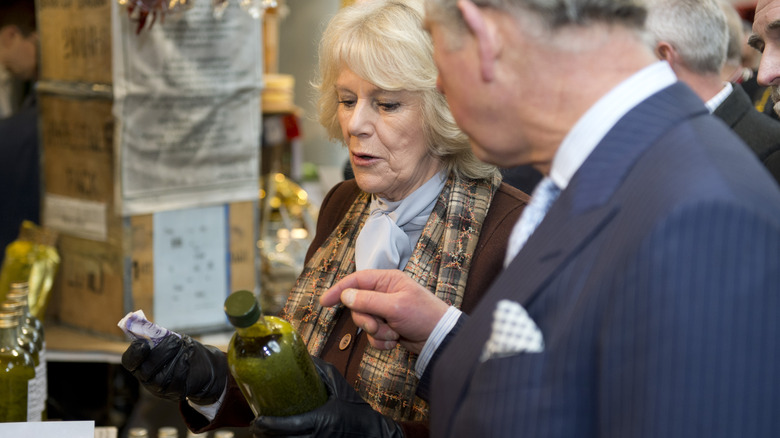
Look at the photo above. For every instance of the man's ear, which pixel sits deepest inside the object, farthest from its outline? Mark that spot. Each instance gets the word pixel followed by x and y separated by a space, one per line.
pixel 665 52
pixel 485 34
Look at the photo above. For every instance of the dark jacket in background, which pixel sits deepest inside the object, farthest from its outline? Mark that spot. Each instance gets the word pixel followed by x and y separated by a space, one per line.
pixel 759 131
pixel 19 172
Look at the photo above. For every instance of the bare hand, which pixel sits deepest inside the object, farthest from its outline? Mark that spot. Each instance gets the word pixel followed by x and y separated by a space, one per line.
pixel 391 307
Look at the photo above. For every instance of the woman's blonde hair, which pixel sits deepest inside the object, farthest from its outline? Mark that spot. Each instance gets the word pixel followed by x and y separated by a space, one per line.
pixel 383 42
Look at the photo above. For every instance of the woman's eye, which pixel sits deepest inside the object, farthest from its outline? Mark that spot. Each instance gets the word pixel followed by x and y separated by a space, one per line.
pixel 389 106
pixel 347 102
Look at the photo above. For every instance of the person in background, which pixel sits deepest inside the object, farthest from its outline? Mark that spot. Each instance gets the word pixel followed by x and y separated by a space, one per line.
pixel 643 303
pixel 766 40
pixel 420 203
pixel 19 40
pixel 19 150
pixel 18 51
pixel 740 59
pixel 694 38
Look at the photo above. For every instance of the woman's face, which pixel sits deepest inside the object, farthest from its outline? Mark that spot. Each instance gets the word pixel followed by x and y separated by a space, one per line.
pixel 384 133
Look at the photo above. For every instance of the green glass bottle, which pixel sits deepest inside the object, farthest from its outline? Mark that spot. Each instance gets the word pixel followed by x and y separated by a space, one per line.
pixel 30 342
pixel 16 371
pixel 270 362
pixel 31 329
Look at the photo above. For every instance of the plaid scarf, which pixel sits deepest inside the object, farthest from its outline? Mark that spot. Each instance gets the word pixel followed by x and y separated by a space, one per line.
pixel 440 262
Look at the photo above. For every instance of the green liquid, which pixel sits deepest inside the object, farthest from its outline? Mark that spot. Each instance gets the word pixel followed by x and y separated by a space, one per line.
pixel 274 370
pixel 15 373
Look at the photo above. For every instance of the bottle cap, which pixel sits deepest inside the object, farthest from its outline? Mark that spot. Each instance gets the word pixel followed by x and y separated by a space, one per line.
pixel 242 309
pixel 14 306
pixel 138 432
pixel 16 295
pixel 21 286
pixel 167 432
pixel 8 319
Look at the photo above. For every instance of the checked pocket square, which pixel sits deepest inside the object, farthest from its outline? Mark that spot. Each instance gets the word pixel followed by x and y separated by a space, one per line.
pixel 513 332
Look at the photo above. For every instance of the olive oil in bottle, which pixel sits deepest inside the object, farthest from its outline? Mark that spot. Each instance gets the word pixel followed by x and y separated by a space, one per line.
pixel 16 371
pixel 29 340
pixel 270 362
pixel 31 329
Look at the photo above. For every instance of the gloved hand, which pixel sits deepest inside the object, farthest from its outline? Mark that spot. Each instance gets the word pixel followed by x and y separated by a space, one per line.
pixel 344 414
pixel 179 368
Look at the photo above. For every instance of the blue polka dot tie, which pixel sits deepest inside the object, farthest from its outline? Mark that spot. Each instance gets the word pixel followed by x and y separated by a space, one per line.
pixel 545 193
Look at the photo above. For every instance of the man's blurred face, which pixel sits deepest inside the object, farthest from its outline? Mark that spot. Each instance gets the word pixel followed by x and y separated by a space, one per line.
pixel 486 99
pixel 18 53
pixel 766 39
pixel 459 81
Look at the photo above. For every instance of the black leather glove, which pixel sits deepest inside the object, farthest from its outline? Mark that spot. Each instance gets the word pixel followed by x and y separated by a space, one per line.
pixel 179 368
pixel 345 414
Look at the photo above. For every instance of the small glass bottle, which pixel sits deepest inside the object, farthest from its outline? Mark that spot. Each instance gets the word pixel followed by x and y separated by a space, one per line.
pixel 16 371
pixel 30 341
pixel 32 328
pixel 224 434
pixel 270 362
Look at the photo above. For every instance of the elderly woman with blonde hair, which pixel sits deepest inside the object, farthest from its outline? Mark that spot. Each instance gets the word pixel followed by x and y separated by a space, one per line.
pixel 420 202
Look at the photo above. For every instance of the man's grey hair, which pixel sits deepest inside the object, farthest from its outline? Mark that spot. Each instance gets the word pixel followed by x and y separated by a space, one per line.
pixel 553 13
pixel 695 28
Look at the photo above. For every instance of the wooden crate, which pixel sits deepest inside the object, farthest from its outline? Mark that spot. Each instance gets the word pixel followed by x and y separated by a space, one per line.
pixel 75 40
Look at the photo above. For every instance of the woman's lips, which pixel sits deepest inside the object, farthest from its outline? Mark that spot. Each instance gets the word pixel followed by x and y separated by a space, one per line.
pixel 363 159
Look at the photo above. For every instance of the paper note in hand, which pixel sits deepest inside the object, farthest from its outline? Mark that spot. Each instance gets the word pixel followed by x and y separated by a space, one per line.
pixel 136 326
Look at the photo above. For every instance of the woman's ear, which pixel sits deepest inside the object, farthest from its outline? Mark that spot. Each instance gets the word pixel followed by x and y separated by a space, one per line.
pixel 485 33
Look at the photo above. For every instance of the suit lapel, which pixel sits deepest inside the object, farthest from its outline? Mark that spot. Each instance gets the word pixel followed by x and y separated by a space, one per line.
pixel 587 205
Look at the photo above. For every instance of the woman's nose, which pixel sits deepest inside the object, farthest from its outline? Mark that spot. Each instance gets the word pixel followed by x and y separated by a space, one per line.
pixel 361 118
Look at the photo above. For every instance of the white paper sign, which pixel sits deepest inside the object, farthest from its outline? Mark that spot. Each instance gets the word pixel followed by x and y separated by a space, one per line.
pixel 47 429
pixel 191 278
pixel 187 104
pixel 79 217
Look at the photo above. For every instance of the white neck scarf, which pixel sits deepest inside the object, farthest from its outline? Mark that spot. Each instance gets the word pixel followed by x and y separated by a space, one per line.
pixel 393 227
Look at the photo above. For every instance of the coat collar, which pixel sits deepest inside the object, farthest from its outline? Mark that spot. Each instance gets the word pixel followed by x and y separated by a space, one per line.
pixel 734 108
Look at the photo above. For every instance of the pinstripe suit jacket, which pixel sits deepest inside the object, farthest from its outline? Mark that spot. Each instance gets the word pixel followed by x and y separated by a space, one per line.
pixel 655 281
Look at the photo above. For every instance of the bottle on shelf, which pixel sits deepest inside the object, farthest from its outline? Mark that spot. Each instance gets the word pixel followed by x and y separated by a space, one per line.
pixel 16 371
pixel 31 329
pixel 269 361
pixel 29 340
pixel 224 434
pixel 137 432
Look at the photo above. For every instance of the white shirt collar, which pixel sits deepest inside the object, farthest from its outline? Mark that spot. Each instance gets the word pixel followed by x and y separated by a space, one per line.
pixel 591 128
pixel 718 99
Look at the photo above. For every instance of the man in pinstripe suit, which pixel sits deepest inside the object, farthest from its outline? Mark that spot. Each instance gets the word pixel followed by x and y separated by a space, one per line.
pixel 647 301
